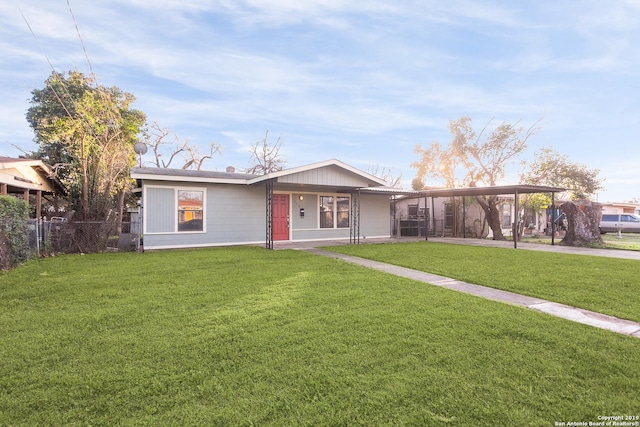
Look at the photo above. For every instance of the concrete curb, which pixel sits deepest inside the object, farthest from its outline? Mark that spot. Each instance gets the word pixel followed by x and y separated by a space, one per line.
pixel 574 314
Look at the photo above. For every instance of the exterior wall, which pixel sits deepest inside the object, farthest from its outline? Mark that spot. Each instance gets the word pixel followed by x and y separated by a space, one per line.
pixel 236 214
pixel 620 208
pixel 330 176
pixel 375 216
pixel 233 214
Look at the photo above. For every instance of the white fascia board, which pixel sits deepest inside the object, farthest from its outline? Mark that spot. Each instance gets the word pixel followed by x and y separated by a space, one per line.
pixel 176 178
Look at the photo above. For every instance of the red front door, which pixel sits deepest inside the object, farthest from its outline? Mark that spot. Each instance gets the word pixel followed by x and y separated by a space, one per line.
pixel 280 217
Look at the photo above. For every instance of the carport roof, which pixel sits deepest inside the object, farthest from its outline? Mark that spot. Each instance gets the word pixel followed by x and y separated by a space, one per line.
pixel 467 191
pixel 492 191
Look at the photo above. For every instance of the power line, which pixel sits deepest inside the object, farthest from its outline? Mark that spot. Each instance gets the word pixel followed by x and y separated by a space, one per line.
pixel 86 55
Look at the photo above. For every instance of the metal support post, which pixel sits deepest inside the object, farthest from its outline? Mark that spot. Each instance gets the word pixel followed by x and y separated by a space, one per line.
pixel 269 218
pixel 354 223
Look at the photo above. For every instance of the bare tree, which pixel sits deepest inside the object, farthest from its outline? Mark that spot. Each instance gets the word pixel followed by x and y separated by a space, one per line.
pixel 163 140
pixel 386 174
pixel 265 157
pixel 196 158
pixel 157 140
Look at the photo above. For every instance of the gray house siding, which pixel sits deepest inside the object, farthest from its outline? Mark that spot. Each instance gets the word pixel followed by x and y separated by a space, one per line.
pixel 161 209
pixel 233 214
pixel 309 203
pixel 330 176
pixel 374 216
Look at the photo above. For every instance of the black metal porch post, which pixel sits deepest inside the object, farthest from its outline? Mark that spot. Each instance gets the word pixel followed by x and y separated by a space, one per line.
pixel 354 223
pixel 269 218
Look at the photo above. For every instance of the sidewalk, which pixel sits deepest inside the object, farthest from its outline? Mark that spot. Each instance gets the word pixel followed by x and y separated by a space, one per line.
pixel 586 317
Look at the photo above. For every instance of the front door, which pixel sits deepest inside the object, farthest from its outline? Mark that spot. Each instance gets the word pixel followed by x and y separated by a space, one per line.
pixel 280 217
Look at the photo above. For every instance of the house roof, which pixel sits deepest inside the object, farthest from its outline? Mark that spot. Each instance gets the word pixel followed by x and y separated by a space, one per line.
pixel 29 174
pixel 295 176
pixel 187 175
pixel 492 191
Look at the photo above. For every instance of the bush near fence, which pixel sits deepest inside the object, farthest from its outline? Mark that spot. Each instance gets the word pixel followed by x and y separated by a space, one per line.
pixel 14 241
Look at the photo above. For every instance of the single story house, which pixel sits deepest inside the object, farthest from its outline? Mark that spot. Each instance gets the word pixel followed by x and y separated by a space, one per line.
pixel 30 180
pixel 620 208
pixel 321 201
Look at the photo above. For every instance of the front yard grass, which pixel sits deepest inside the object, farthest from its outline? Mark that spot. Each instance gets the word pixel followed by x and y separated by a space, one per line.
pixel 604 285
pixel 247 336
pixel 626 241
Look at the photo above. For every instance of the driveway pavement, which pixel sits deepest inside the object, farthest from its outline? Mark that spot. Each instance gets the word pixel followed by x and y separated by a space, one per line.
pixel 579 315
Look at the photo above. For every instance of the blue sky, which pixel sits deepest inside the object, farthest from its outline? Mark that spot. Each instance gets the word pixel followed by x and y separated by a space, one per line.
pixel 360 81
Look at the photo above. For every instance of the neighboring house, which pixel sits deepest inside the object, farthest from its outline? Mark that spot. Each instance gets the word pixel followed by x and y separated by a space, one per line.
pixel 30 180
pixel 620 208
pixel 326 200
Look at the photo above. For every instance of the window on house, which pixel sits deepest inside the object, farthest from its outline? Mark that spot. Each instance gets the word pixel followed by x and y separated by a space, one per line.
pixel 326 211
pixel 343 212
pixel 448 215
pixel 334 211
pixel 190 210
pixel 506 215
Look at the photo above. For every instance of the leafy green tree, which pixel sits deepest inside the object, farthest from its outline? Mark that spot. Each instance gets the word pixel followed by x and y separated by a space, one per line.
pixel 554 169
pixel 473 158
pixel 88 131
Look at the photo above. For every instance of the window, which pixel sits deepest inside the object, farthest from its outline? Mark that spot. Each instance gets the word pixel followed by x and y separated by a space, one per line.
pixel 190 210
pixel 506 216
pixel 326 211
pixel 448 215
pixel 343 212
pixel 334 211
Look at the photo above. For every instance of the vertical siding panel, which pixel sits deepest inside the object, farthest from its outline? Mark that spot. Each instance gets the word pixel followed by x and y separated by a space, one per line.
pixel 160 210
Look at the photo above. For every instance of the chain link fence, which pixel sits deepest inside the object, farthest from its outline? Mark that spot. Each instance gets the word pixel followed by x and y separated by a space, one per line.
pixel 59 236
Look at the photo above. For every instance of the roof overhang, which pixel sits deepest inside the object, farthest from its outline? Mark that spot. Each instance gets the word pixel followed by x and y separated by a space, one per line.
pixel 492 191
pixel 181 175
pixel 188 175
pixel 29 174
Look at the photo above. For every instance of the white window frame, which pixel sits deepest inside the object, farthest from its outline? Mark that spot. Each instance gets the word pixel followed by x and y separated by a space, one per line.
pixel 146 212
pixel 202 190
pixel 335 210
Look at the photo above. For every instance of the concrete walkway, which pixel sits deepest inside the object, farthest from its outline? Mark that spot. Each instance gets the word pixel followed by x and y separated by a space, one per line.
pixel 586 317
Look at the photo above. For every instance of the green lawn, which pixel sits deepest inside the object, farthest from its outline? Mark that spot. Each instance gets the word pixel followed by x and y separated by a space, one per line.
pixel 247 336
pixel 604 285
pixel 626 241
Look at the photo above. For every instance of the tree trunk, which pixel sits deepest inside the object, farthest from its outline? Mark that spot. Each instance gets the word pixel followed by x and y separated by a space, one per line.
pixel 583 223
pixel 492 213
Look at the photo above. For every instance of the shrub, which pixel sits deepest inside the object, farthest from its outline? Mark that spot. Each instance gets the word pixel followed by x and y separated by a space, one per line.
pixel 14 233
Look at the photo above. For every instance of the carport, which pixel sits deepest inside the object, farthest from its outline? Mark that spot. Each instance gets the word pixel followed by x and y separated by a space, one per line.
pixel 498 190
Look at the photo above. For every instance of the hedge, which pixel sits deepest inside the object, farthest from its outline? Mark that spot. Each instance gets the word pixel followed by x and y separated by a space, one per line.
pixel 14 232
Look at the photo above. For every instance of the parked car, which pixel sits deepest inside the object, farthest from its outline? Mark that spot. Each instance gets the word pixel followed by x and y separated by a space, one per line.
pixel 627 223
